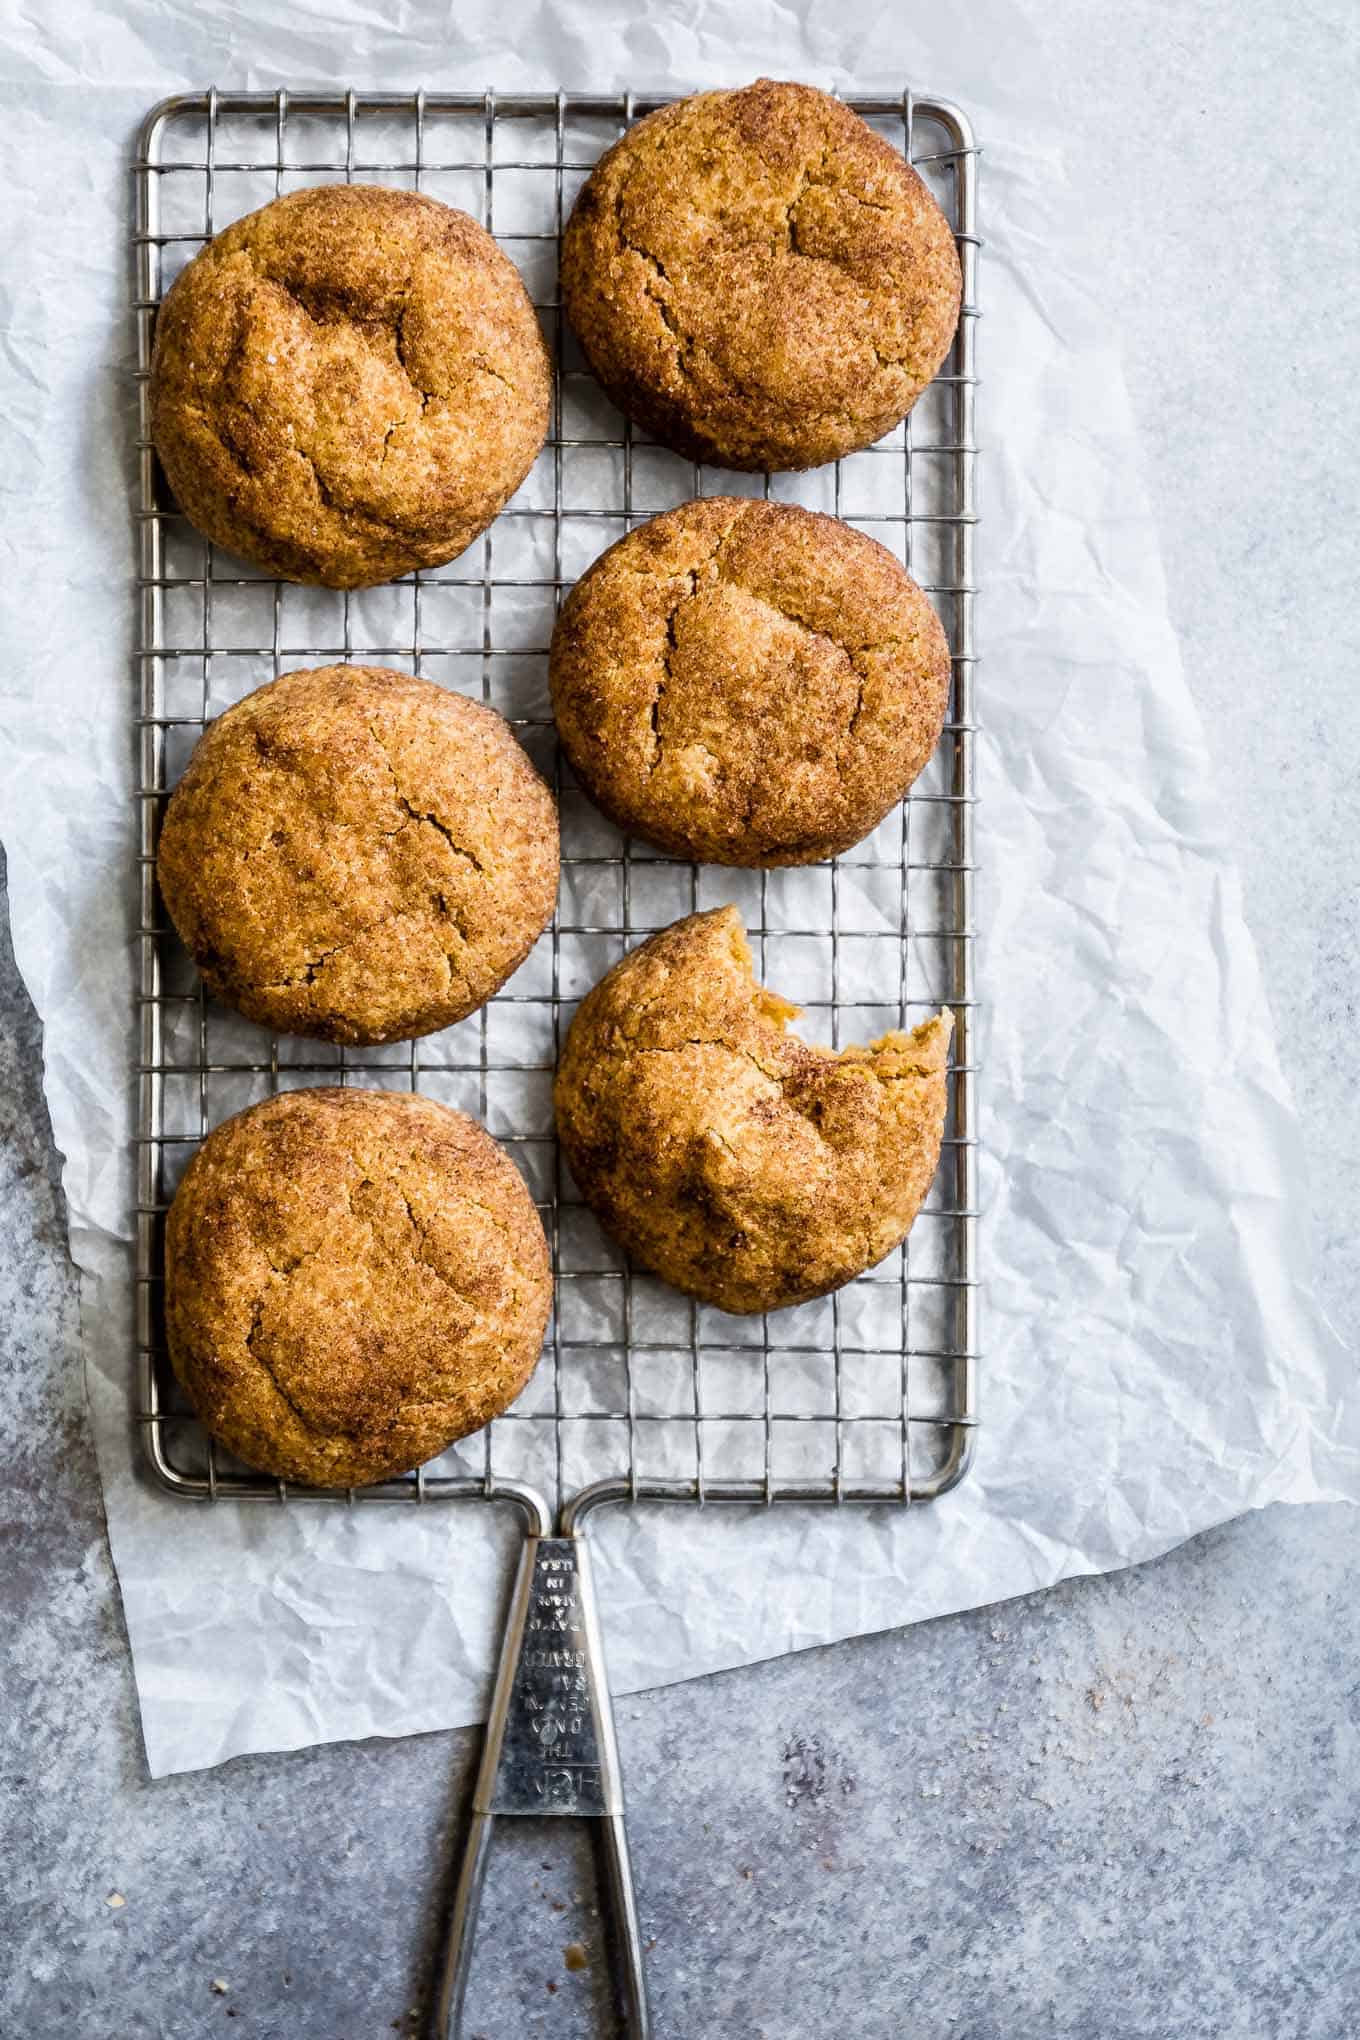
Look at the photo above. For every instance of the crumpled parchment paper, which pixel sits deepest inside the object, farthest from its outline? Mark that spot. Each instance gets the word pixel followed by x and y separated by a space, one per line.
pixel 1153 1361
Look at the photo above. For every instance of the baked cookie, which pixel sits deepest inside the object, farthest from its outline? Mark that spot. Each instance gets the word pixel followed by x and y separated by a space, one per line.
pixel 358 855
pixel 348 384
pixel 353 1279
pixel 748 683
pixel 721 1151
pixel 760 280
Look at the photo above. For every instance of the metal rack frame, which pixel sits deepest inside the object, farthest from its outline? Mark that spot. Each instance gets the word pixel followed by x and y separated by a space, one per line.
pixel 454 145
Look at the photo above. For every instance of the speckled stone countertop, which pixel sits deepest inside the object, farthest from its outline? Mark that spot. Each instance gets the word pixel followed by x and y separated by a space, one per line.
pixel 1129 1808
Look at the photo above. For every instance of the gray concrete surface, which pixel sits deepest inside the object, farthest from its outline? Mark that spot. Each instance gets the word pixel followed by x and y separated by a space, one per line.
pixel 1126 1810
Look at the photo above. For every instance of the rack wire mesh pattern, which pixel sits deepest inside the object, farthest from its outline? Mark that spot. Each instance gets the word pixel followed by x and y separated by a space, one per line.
pixel 869 1394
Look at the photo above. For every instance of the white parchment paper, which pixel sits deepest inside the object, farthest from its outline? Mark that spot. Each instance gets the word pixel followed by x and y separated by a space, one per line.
pixel 1154 1363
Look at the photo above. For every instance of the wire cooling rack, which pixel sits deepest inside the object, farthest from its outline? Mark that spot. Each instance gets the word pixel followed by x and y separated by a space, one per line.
pixel 643 1394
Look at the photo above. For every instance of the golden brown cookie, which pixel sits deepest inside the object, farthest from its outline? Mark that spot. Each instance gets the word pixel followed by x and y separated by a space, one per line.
pixel 358 855
pixel 748 683
pixel 348 384
pixel 721 1151
pixel 353 1279
pixel 760 280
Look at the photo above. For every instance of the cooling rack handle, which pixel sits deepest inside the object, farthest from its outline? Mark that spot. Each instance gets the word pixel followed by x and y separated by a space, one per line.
pixel 550 1750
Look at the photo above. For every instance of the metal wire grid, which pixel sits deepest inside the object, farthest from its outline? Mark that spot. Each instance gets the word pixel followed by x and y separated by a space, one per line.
pixel 643 1394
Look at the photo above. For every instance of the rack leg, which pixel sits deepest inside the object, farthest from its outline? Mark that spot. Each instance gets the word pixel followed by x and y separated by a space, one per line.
pixel 549 1750
pixel 467 1899
pixel 629 1972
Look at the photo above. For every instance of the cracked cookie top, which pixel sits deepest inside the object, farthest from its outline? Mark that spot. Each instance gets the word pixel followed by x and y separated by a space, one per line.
pixel 725 1154
pixel 348 384
pixel 758 279
pixel 358 855
pixel 748 683
pixel 353 1280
